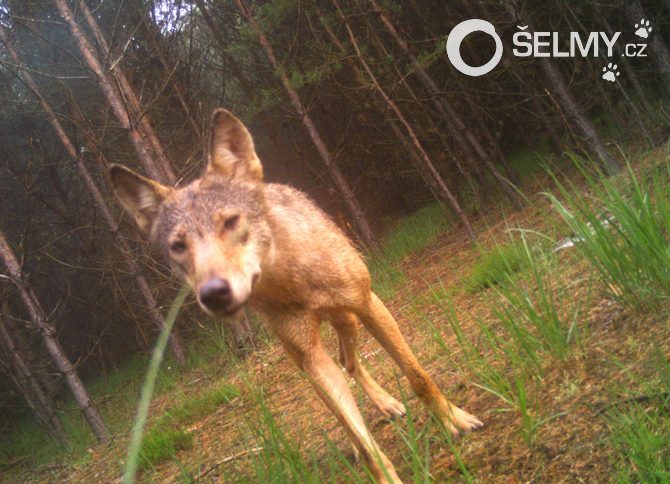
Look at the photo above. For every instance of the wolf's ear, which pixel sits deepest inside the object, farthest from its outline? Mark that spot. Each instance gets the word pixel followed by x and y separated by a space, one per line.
pixel 231 150
pixel 139 195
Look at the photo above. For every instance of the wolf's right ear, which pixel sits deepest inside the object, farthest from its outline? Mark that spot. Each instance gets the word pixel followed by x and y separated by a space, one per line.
pixel 231 150
pixel 139 195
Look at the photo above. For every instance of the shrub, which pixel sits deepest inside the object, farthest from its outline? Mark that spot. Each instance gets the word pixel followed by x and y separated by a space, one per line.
pixel 622 228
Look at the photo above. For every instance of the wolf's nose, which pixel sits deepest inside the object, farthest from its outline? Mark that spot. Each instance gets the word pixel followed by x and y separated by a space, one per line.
pixel 215 294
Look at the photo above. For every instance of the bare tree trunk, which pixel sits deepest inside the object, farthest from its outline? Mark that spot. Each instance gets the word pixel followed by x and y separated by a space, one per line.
pixel 32 390
pixel 131 263
pixel 474 163
pixel 494 146
pixel 577 117
pixel 177 87
pixel 48 334
pixel 539 109
pixel 630 72
pixel 141 117
pixel 361 78
pixel 137 137
pixel 218 37
pixel 355 210
pixel 659 50
pixel 435 178
pixel 445 109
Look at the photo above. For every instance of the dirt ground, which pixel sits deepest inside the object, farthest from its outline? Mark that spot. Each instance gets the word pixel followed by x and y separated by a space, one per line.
pixel 574 394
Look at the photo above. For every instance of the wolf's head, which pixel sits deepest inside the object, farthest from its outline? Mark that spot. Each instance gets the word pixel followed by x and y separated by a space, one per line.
pixel 213 231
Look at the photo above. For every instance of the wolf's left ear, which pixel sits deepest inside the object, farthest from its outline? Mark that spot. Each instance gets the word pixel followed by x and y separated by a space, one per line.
pixel 139 195
pixel 231 150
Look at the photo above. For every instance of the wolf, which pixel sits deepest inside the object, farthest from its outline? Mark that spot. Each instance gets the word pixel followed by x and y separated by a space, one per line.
pixel 238 241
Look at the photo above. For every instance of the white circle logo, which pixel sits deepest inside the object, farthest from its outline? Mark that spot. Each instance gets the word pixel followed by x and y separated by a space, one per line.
pixel 460 32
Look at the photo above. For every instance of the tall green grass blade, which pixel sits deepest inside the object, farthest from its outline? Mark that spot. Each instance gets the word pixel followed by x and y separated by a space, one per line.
pixel 622 227
pixel 133 458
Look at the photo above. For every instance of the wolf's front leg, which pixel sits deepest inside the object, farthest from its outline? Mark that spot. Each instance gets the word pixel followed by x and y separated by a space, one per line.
pixel 381 324
pixel 300 336
pixel 346 324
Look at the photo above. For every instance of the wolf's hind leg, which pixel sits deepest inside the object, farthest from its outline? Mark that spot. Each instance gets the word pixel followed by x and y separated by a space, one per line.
pixel 300 336
pixel 381 324
pixel 347 326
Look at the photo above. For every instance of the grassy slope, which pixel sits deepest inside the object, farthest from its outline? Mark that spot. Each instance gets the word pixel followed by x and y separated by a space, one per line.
pixel 593 413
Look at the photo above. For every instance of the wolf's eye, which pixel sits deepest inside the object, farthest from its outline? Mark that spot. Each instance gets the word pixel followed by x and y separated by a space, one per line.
pixel 178 247
pixel 231 222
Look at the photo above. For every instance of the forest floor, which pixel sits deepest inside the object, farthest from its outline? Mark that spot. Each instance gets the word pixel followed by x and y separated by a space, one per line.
pixel 576 415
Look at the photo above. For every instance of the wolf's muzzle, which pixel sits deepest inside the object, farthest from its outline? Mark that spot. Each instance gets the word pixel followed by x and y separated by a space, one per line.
pixel 216 295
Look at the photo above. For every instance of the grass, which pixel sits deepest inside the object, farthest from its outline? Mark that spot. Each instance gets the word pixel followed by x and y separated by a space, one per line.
pixel 533 318
pixel 167 436
pixel 525 162
pixel 204 404
pixel 641 438
pixel 115 394
pixel 27 442
pixel 161 444
pixel 496 265
pixel 473 359
pixel 543 318
pixel 528 351
pixel 410 235
pixel 640 431
pixel 414 232
pixel 135 446
pixel 280 458
pixel 116 397
pixel 622 227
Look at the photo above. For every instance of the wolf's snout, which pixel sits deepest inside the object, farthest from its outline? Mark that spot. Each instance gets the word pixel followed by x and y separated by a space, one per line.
pixel 216 294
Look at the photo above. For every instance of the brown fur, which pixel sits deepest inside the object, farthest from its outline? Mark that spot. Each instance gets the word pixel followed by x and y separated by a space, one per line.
pixel 277 251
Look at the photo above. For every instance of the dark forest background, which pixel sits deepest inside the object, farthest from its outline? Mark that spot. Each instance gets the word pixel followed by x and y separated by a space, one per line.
pixel 354 102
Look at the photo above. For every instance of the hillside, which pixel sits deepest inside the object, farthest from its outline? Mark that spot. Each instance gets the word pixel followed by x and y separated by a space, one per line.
pixel 571 382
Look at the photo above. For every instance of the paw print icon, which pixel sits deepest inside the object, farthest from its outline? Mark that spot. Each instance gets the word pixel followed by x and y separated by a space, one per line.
pixel 643 29
pixel 611 72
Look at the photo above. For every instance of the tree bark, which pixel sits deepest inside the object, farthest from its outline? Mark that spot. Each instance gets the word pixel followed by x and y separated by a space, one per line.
pixel 446 110
pixel 539 109
pixel 358 215
pixel 119 108
pixel 218 37
pixel 153 33
pixel 48 334
pixel 659 51
pixel 32 390
pixel 361 78
pixel 126 89
pixel 435 178
pixel 630 72
pixel 98 198
pixel 577 117
pixel 472 160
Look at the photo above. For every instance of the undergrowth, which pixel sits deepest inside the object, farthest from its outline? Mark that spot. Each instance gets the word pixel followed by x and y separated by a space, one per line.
pixel 496 265
pixel 622 227
pixel 640 429
pixel 410 235
pixel 167 436
pixel 538 322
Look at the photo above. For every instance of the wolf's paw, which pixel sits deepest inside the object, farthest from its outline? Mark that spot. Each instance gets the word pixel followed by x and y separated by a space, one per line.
pixel 459 421
pixel 464 421
pixel 643 29
pixel 389 406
